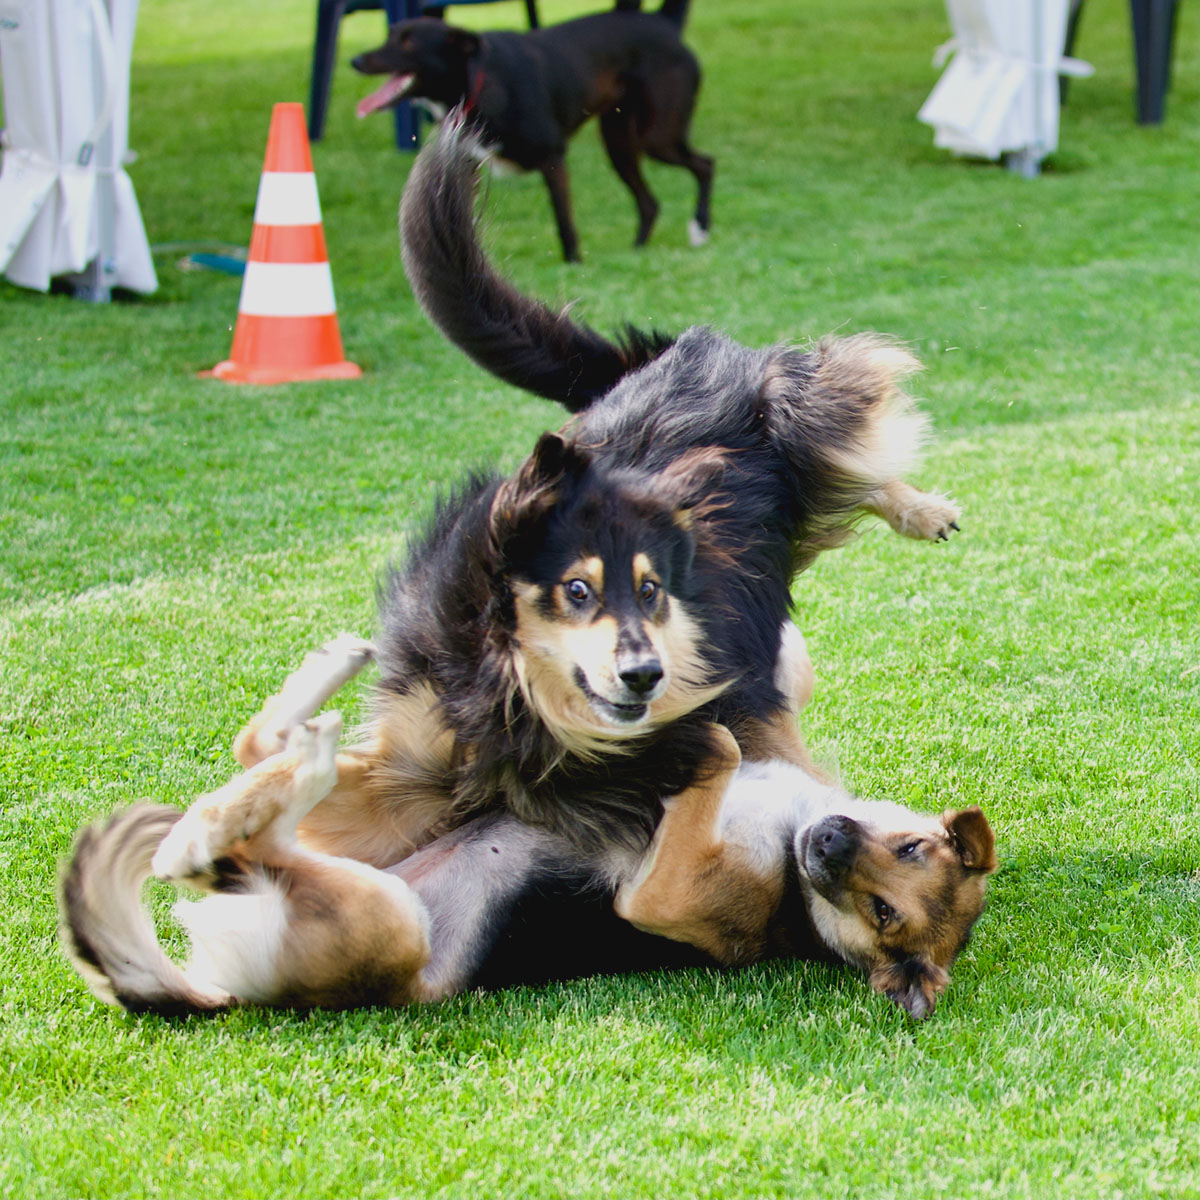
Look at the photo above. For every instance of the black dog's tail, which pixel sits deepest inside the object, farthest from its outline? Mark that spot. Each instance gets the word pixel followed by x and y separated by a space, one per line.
pixel 513 336
pixel 106 930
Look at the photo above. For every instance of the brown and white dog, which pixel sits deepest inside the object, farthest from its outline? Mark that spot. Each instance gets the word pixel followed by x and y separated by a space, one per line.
pixel 753 861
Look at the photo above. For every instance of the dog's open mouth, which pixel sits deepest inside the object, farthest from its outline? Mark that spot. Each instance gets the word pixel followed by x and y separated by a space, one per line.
pixel 396 88
pixel 610 710
pixel 625 714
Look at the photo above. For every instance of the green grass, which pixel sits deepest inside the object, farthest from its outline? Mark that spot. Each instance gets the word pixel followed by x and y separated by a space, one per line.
pixel 172 545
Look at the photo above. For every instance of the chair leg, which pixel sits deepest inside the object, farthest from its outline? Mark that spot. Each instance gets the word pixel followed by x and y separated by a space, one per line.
pixel 408 130
pixel 1153 34
pixel 531 11
pixel 329 17
pixel 1073 15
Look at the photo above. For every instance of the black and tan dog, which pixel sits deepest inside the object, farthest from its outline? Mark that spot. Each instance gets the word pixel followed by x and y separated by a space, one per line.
pixel 753 861
pixel 568 647
pixel 530 92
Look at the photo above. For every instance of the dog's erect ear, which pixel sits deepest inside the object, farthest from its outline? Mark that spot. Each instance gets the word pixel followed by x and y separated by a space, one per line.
pixel 526 497
pixel 972 837
pixel 463 41
pixel 914 984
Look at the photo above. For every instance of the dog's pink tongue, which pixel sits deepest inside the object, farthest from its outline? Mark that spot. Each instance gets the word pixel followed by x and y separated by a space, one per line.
pixel 395 87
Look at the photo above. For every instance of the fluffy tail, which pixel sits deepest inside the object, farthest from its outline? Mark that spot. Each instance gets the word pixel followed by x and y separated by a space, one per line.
pixel 513 336
pixel 106 930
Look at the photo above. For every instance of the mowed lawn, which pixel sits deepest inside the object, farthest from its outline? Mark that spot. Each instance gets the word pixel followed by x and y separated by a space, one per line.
pixel 170 546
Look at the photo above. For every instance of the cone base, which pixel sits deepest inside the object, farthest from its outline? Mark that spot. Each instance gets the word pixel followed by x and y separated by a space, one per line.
pixel 237 372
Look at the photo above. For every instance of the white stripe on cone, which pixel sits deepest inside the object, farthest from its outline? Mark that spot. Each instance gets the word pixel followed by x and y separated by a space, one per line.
pixel 287 290
pixel 287 198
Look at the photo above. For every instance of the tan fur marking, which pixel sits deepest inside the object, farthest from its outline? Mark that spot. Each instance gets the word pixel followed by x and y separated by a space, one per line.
pixel 590 570
pixel 643 569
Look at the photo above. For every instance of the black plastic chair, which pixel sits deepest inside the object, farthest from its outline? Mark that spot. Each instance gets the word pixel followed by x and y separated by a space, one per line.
pixel 1153 48
pixel 329 18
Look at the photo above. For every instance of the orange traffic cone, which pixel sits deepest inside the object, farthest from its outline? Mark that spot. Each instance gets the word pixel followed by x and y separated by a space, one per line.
pixel 287 327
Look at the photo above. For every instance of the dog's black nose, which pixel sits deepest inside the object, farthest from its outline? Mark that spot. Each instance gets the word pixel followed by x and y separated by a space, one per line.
pixel 643 676
pixel 834 842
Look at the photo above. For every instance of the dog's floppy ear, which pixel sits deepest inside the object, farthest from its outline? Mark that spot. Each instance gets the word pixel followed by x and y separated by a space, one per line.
pixel 972 837
pixel 525 498
pixel 913 983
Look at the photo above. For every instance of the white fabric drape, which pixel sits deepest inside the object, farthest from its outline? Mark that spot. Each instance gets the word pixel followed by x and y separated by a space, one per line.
pixel 66 200
pixel 999 95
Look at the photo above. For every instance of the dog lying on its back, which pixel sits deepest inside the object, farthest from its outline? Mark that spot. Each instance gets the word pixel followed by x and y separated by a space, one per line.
pixel 529 92
pixel 756 861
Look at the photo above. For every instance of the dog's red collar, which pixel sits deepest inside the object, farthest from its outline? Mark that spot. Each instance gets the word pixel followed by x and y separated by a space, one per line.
pixel 476 87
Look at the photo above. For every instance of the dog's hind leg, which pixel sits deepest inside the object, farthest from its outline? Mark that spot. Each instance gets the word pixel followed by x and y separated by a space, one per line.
pixel 680 154
pixel 925 516
pixel 559 183
pixel 289 925
pixel 322 672
pixel 618 129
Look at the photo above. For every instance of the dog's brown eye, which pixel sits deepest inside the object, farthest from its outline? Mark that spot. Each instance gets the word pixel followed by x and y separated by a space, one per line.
pixel 648 591
pixel 908 849
pixel 578 591
pixel 883 911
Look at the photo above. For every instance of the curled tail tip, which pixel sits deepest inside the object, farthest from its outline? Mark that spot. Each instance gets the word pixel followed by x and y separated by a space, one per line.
pixel 882 362
pixel 106 932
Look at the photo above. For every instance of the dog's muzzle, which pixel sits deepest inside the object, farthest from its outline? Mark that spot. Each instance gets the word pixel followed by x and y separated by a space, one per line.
pixel 642 681
pixel 826 851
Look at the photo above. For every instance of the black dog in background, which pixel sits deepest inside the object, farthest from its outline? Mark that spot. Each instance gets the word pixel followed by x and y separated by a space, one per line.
pixel 529 92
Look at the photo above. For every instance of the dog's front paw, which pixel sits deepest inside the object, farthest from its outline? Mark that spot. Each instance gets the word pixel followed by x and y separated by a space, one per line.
pixel 697 234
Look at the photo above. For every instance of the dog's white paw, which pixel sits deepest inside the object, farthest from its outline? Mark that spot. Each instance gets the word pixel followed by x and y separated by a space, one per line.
pixel 696 235
pixel 314 746
pixel 321 673
pixel 929 517
pixel 185 853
